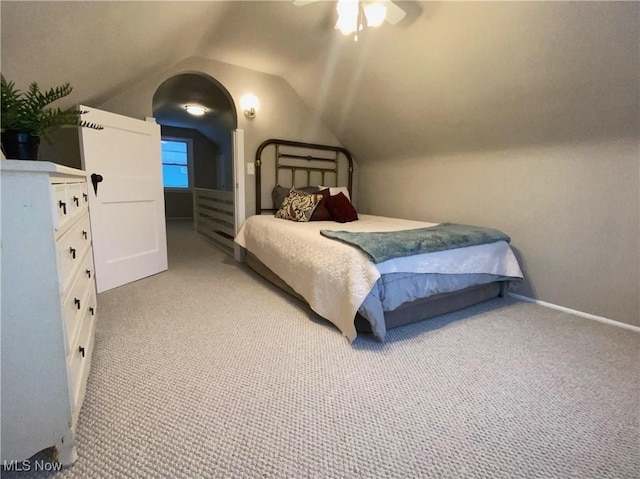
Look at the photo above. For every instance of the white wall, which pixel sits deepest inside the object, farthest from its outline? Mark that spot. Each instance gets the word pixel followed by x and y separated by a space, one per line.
pixel 572 211
pixel 282 113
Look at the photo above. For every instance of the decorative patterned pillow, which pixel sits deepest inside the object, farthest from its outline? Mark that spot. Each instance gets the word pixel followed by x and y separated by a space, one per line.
pixel 279 193
pixel 341 208
pixel 298 206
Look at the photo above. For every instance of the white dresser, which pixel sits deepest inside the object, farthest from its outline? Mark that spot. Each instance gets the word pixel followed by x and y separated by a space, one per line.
pixel 48 311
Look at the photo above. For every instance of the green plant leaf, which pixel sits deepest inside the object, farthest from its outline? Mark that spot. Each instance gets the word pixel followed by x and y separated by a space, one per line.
pixel 29 111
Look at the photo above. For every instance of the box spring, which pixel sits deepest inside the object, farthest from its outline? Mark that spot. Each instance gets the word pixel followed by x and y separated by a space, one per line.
pixel 407 313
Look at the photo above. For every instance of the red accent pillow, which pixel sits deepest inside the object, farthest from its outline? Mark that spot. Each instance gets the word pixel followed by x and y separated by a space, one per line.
pixel 341 208
pixel 321 213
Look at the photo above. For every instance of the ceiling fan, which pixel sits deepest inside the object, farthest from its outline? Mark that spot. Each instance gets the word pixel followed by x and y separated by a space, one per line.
pixel 354 15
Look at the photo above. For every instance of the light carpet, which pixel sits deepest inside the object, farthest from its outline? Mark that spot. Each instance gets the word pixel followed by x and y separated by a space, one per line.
pixel 207 371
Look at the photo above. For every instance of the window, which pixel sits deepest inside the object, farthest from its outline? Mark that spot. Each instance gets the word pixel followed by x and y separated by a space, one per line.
pixel 175 163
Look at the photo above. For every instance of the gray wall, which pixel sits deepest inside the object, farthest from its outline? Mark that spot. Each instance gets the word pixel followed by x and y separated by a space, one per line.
pixel 205 155
pixel 572 211
pixel 179 204
pixel 282 114
pixel 63 147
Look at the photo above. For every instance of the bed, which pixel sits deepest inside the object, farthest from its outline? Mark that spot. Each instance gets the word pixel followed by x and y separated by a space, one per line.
pixel 346 283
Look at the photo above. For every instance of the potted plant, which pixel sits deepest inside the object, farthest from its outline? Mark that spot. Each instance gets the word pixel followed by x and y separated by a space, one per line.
pixel 26 117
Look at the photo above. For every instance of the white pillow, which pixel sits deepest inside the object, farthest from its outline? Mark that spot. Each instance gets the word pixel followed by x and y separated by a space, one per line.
pixel 334 190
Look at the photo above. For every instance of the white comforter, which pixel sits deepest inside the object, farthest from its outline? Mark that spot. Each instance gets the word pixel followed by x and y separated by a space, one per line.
pixel 335 278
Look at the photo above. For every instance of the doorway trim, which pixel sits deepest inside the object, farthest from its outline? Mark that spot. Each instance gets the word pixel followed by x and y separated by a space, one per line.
pixel 238 185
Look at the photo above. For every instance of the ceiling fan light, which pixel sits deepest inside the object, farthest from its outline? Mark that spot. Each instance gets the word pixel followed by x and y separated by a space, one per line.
pixel 347 7
pixel 375 13
pixel 347 16
pixel 345 26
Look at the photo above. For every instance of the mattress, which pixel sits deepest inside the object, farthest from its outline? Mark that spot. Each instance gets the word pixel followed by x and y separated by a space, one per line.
pixel 335 279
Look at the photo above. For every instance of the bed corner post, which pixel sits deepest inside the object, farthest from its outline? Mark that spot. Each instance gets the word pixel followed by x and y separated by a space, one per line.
pixel 350 160
pixel 258 164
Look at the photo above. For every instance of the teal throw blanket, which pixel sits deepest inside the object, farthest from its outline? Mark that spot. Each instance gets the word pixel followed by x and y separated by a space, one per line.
pixel 387 245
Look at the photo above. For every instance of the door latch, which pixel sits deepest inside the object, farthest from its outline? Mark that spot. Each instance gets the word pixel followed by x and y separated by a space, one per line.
pixel 95 179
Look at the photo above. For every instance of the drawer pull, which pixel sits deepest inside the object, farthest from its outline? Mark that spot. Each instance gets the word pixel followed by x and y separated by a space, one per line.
pixel 77 302
pixel 88 273
pixel 63 205
pixel 72 250
pixel 81 351
pixel 85 197
pixel 76 200
pixel 91 310
pixel 84 234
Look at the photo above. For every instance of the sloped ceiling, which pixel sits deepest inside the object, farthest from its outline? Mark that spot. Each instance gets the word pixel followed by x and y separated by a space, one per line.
pixel 451 77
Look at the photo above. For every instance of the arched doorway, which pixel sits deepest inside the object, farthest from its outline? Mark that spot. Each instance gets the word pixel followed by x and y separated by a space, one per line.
pixel 198 158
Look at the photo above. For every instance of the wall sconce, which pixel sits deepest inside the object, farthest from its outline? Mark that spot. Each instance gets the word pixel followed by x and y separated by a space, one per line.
pixel 195 110
pixel 249 104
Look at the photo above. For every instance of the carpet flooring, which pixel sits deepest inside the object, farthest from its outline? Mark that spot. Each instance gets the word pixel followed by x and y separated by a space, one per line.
pixel 207 371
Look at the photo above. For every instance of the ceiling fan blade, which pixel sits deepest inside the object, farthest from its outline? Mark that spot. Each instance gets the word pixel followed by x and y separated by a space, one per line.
pixel 394 12
pixel 302 3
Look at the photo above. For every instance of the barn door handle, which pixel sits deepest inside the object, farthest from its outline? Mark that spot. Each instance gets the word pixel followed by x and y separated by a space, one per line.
pixel 95 179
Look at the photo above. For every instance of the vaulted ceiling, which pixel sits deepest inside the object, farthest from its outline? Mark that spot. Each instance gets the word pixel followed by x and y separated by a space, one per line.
pixel 451 77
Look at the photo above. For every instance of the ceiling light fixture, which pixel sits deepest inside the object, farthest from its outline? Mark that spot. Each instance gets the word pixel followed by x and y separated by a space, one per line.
pixel 375 14
pixel 195 110
pixel 353 14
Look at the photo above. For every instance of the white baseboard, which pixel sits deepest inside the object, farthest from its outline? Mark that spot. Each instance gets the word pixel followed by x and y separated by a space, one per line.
pixel 575 312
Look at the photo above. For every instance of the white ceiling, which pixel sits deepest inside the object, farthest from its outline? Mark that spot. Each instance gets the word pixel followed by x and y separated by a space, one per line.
pixel 452 77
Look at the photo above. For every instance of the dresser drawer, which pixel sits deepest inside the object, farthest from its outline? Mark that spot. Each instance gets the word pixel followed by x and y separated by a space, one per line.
pixel 69 200
pixel 84 194
pixel 74 197
pixel 71 248
pixel 79 360
pixel 62 211
pixel 78 301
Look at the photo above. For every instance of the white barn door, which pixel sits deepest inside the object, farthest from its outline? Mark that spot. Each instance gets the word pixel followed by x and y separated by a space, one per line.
pixel 124 163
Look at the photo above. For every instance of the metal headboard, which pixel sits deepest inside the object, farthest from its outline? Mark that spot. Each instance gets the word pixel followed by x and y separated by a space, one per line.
pixel 294 156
